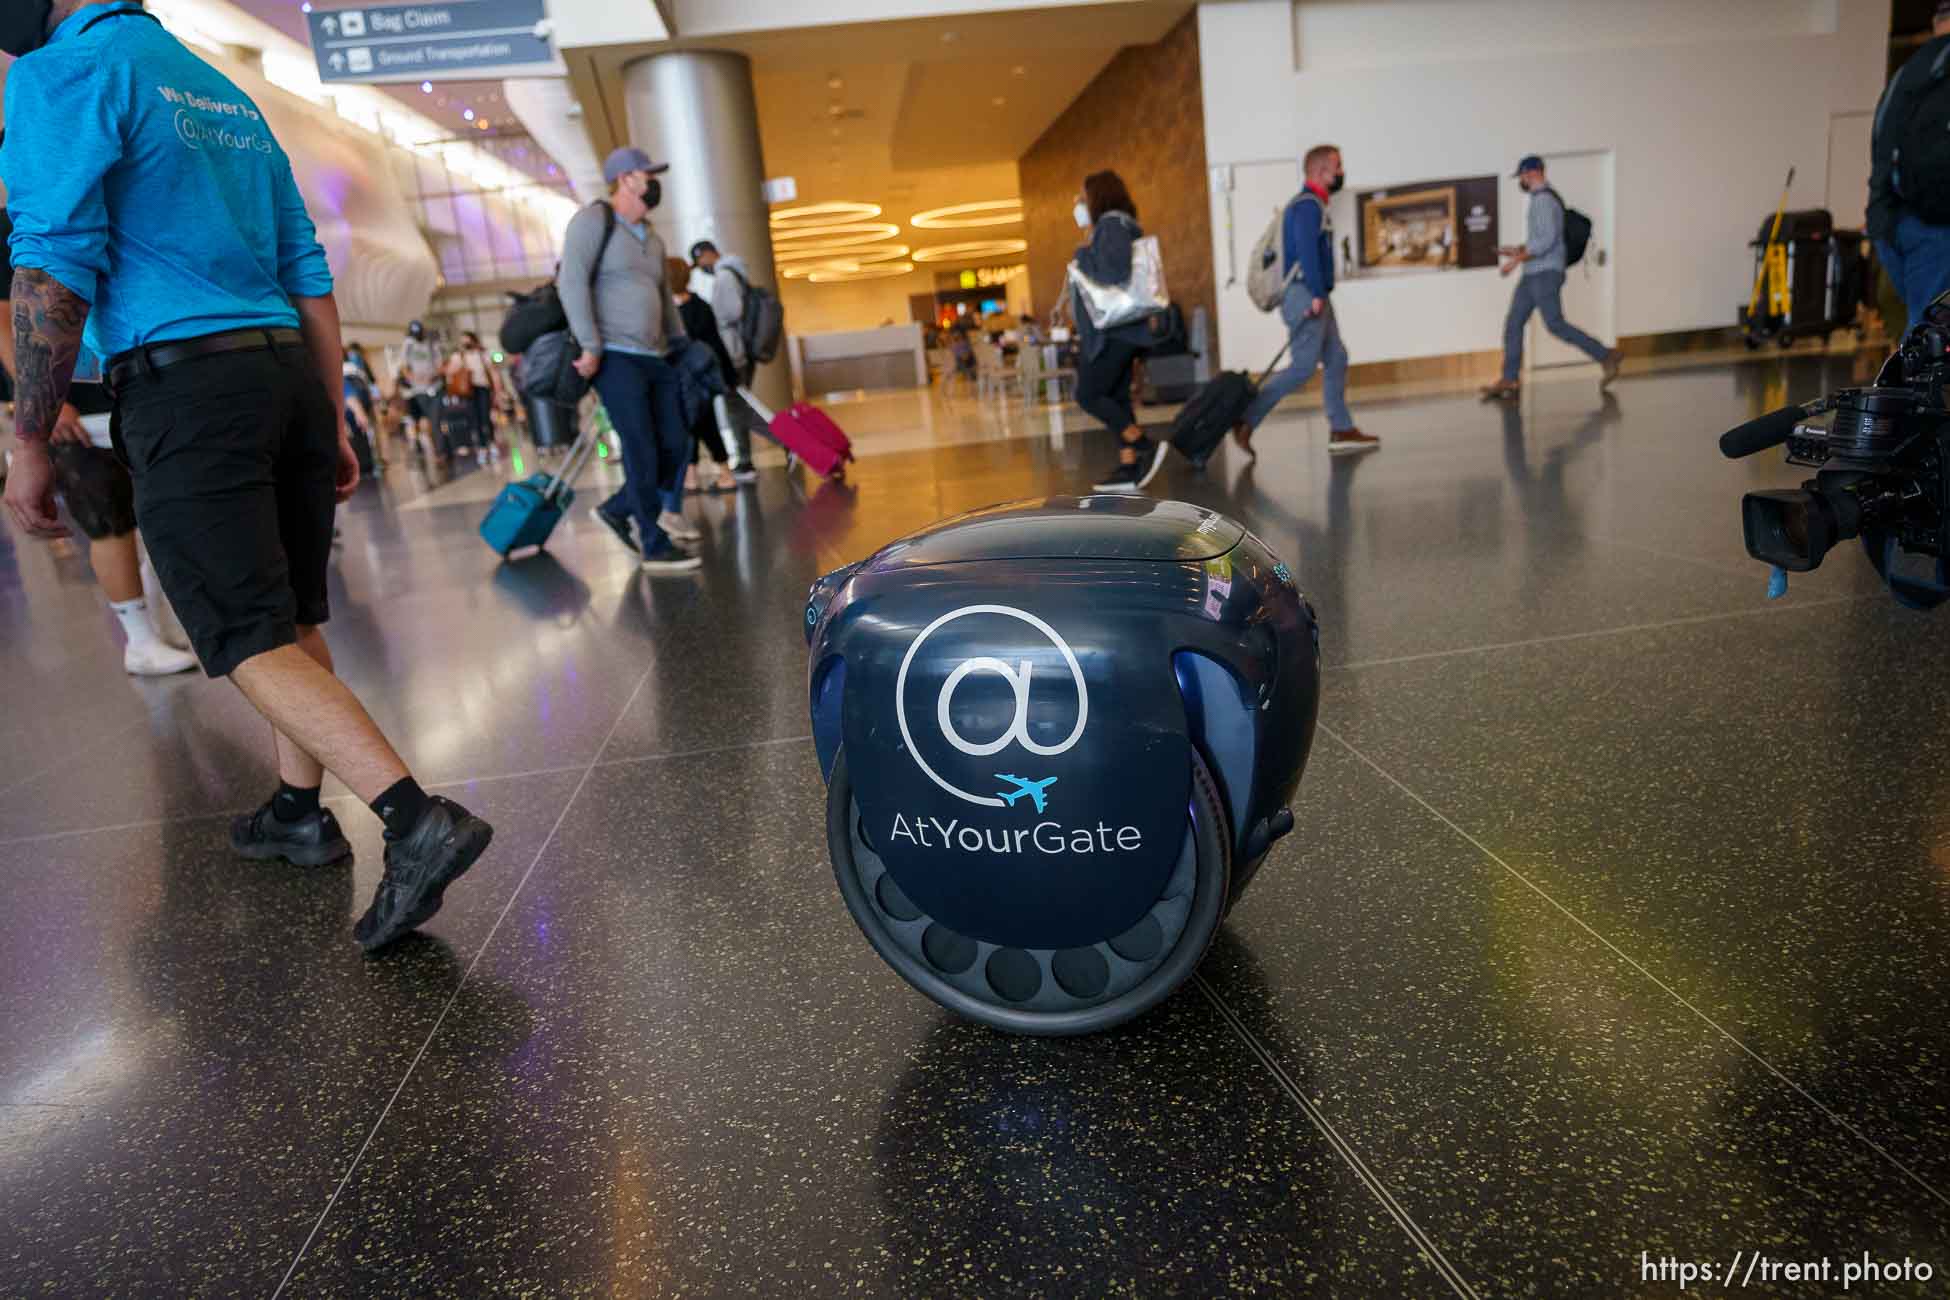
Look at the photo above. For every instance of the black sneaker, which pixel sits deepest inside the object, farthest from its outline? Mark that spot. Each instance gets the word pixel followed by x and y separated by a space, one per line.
pixel 419 867
pixel 1151 459
pixel 311 841
pixel 621 527
pixel 1122 478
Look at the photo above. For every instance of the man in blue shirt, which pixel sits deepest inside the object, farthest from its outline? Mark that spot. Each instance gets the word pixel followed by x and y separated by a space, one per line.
pixel 154 212
pixel 1542 257
pixel 1307 234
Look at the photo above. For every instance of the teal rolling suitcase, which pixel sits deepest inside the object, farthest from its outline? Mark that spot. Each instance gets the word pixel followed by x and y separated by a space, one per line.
pixel 525 513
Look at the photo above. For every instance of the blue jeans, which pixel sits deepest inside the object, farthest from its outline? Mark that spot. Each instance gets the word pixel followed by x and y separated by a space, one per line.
pixel 1917 258
pixel 1315 341
pixel 1542 292
pixel 640 394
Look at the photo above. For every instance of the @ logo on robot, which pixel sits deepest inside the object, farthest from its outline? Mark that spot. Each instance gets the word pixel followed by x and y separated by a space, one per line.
pixel 1019 676
pixel 1044 837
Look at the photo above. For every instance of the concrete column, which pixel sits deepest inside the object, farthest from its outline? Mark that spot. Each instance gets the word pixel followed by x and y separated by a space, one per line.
pixel 696 110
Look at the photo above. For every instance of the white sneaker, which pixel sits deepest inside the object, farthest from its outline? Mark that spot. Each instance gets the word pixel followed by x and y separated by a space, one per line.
pixel 154 659
pixel 679 527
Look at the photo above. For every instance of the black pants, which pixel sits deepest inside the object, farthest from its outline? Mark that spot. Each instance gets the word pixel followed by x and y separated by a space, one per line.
pixel 1104 385
pixel 706 437
pixel 235 462
pixel 483 400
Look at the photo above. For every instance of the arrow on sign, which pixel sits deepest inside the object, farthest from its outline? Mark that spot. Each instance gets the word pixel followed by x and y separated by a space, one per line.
pixel 337 61
pixel 331 26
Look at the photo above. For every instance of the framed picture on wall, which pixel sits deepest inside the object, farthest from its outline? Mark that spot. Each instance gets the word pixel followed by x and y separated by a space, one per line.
pixel 1429 225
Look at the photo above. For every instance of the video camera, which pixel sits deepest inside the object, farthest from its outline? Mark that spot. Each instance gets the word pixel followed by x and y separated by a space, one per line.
pixel 1879 470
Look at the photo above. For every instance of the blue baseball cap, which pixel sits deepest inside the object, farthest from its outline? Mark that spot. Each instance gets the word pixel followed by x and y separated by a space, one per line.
pixel 1530 163
pixel 621 162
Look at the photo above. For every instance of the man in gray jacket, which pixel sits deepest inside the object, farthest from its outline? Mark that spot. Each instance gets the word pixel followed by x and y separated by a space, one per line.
pixel 626 327
pixel 1541 256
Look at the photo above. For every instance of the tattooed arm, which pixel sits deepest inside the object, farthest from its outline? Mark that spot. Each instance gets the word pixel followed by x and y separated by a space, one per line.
pixel 47 336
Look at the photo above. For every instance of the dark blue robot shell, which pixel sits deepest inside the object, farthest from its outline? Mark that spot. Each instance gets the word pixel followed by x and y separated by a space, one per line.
pixel 1059 738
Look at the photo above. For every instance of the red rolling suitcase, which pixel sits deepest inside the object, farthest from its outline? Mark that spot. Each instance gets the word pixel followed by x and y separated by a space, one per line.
pixel 807 433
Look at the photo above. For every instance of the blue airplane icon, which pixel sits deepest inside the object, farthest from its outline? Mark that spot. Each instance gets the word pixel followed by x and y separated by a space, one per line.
pixel 1036 790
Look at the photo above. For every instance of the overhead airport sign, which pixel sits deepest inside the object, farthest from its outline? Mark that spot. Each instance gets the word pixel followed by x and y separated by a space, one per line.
pixel 457 40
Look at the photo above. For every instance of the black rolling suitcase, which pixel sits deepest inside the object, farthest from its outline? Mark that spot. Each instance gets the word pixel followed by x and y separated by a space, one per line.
pixel 1215 408
pixel 456 423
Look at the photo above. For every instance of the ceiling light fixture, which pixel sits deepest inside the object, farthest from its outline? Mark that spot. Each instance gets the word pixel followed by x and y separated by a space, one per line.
pixel 957 216
pixel 998 101
pixel 852 232
pixel 834 83
pixel 822 214
pixel 889 272
pixel 861 256
pixel 979 250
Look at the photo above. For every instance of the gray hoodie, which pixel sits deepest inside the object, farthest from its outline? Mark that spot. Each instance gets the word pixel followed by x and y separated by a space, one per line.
pixel 632 310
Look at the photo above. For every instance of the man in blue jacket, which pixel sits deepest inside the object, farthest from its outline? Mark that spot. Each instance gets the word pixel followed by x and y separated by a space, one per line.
pixel 154 210
pixel 1308 238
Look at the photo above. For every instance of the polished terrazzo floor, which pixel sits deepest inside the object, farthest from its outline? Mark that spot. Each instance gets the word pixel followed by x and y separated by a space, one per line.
pixel 1618 923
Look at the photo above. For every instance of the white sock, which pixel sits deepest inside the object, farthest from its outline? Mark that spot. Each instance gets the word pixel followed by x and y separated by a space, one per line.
pixel 135 620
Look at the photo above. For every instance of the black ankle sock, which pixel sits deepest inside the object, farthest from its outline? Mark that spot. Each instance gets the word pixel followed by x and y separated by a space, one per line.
pixel 401 806
pixel 294 803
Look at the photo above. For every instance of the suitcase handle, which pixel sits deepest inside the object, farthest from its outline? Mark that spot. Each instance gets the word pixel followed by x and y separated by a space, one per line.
pixel 575 462
pixel 759 408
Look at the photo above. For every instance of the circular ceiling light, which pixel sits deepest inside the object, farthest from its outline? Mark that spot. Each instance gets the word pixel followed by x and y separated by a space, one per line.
pixel 888 272
pixel 845 261
pixel 821 214
pixel 978 250
pixel 796 239
pixel 989 212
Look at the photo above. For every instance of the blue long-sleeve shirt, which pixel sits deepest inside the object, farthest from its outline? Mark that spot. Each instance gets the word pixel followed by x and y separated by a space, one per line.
pixel 1308 236
pixel 144 181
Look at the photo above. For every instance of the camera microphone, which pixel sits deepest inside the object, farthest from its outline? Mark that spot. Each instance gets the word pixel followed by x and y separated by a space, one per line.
pixel 1770 430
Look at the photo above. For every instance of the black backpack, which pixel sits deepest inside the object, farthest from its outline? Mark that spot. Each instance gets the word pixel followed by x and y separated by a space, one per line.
pixel 762 326
pixel 1922 157
pixel 539 311
pixel 531 315
pixel 1577 231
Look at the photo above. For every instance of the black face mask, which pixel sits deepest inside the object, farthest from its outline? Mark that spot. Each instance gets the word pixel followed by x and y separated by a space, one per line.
pixel 23 26
pixel 1334 186
pixel 653 194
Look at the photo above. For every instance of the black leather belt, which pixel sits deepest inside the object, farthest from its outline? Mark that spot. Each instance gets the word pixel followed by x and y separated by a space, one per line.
pixel 137 362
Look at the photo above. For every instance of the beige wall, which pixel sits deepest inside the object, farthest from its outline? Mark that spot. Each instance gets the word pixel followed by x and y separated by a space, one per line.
pixel 1143 117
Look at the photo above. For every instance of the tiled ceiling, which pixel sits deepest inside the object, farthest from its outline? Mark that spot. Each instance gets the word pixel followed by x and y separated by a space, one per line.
pixel 461 107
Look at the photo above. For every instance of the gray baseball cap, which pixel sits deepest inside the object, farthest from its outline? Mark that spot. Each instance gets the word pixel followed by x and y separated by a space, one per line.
pixel 621 162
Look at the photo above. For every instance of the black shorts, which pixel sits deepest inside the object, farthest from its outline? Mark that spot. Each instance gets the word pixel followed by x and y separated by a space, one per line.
pixel 95 484
pixel 235 463
pixel 424 406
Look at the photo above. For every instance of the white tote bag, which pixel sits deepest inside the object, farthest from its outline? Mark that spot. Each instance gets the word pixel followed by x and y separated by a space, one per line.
pixel 1111 305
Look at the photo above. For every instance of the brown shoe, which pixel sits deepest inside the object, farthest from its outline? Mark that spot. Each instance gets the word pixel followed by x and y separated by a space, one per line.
pixel 1342 441
pixel 1244 437
pixel 1500 391
pixel 1614 359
